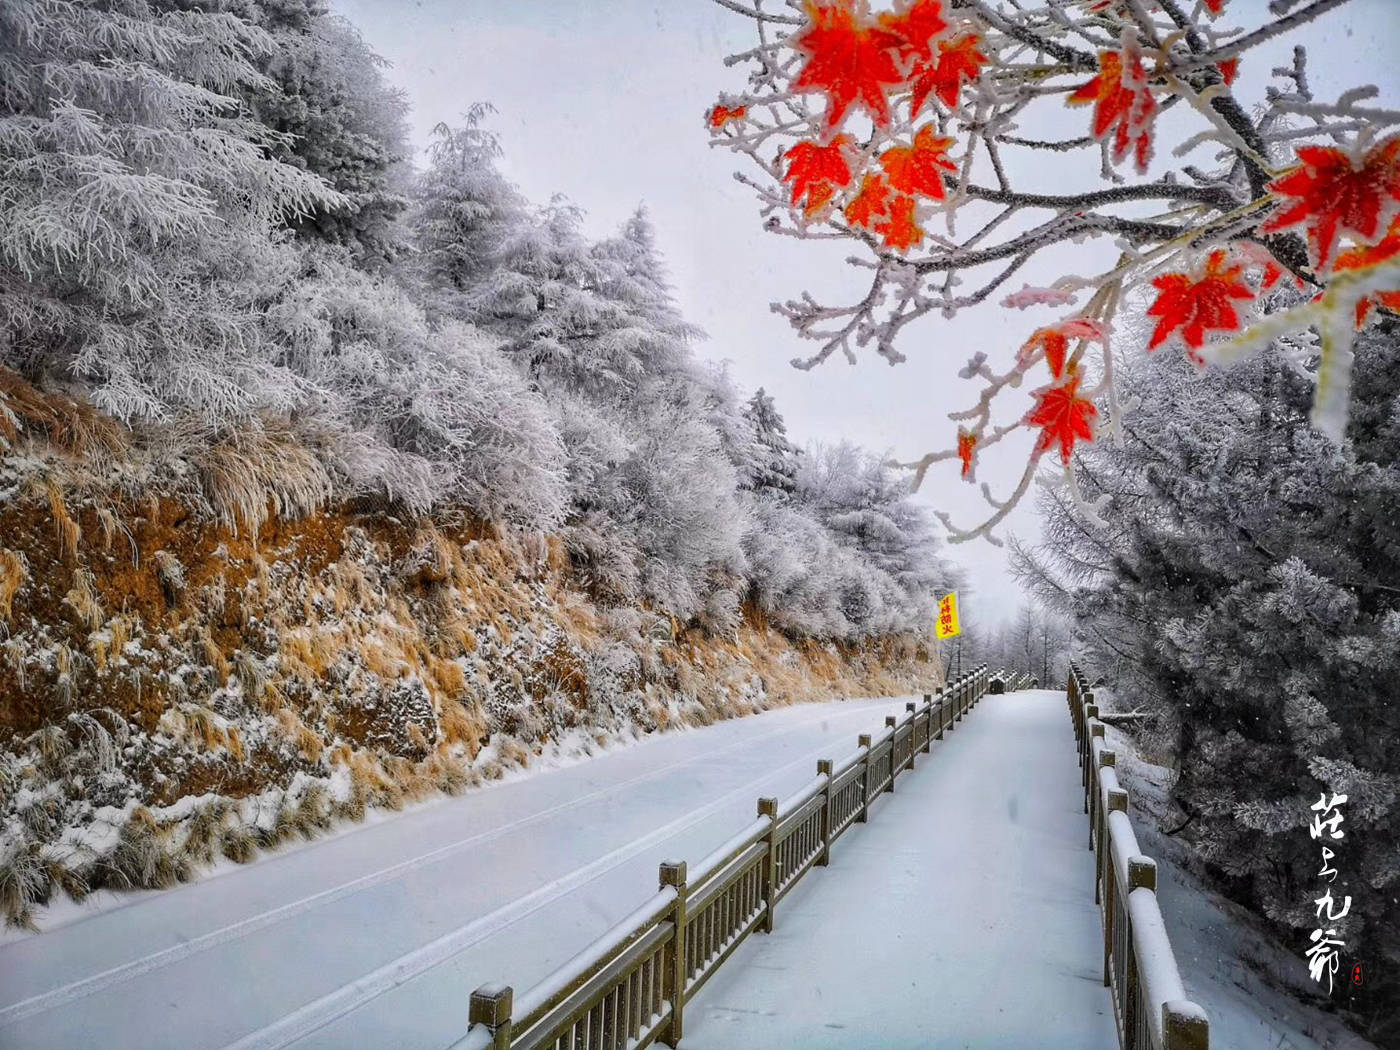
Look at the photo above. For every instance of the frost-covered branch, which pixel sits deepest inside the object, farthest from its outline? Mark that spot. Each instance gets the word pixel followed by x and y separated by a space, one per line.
pixel 870 125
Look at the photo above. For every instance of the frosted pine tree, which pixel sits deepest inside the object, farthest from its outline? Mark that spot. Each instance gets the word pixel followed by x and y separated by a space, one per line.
pixel 466 214
pixel 1242 578
pixel 423 413
pixel 139 207
pixel 325 91
pixel 633 273
pixel 773 471
pixel 869 510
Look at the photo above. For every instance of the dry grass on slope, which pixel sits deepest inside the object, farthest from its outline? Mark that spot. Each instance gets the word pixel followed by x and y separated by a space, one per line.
pixel 221 662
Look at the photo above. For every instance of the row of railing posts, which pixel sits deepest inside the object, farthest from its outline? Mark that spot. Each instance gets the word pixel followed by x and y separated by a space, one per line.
pixel 1139 968
pixel 629 989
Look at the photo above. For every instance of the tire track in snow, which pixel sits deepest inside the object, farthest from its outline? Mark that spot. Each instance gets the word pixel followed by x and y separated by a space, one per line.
pixel 315 1015
pixel 80 989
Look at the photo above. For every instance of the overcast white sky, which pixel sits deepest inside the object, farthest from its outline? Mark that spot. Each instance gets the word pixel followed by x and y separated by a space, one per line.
pixel 603 101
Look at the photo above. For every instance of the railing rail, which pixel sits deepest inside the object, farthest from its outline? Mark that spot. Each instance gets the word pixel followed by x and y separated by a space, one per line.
pixel 629 988
pixel 1139 968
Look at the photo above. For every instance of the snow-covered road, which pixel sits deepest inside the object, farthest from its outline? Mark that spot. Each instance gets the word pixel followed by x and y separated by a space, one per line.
pixel 962 915
pixel 375 938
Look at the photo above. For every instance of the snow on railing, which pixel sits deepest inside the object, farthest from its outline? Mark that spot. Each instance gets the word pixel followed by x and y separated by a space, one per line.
pixel 1139 967
pixel 630 987
pixel 1010 681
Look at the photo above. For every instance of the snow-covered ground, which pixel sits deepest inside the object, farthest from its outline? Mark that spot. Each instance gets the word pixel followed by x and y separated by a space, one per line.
pixel 962 915
pixel 375 938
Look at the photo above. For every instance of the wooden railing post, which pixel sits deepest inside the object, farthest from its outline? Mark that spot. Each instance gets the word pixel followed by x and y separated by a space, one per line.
pixel 1090 780
pixel 1184 1026
pixel 928 723
pixel 824 768
pixel 891 721
pixel 1142 874
pixel 909 708
pixel 1097 819
pixel 1086 744
pixel 673 977
pixel 768 883
pixel 1117 800
pixel 939 695
pixel 491 1005
pixel 865 778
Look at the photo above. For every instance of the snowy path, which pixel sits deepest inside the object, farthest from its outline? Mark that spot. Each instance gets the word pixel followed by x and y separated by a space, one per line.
pixel 375 938
pixel 962 915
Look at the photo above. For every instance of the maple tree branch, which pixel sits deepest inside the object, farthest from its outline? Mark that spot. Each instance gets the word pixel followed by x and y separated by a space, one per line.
pixel 1213 195
pixel 1071 56
pixel 1052 233
pixel 1248 40
pixel 996 282
pixel 1063 146
pixel 1224 102
pixel 805 314
pixel 757 15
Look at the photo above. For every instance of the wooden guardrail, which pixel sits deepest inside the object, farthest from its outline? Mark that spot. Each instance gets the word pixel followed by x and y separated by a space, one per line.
pixel 630 987
pixel 1010 681
pixel 1139 968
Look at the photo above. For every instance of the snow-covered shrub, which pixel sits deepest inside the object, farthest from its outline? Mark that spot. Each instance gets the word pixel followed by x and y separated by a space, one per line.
pixel 392 388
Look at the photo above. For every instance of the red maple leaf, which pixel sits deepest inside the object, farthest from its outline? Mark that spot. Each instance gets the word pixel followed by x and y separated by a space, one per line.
pixel 817 171
pixel 1198 304
pixel 871 203
pixel 1273 273
pixel 1229 69
pixel 916 24
pixel 958 61
pixel 1063 416
pixel 967 450
pixel 1362 256
pixel 918 169
pixel 1333 192
pixel 849 59
pixel 900 231
pixel 1054 340
pixel 1216 7
pixel 1123 105
pixel 720 115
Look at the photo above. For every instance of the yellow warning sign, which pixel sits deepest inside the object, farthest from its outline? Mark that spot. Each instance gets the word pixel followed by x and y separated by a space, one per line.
pixel 948 616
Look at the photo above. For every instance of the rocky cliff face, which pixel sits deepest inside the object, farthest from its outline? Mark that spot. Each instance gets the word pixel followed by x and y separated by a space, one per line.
pixel 178 684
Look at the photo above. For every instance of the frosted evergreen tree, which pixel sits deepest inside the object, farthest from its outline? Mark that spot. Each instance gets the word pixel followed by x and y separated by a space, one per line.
pixel 327 94
pixel 420 412
pixel 140 201
pixel 1243 579
pixel 466 214
pixel 773 471
pixel 869 508
pixel 870 511
pixel 594 327
pixel 632 273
